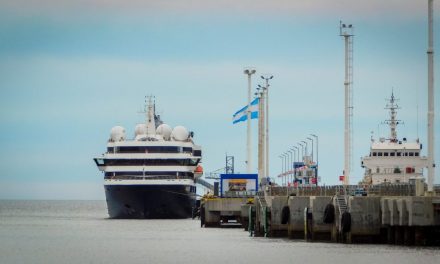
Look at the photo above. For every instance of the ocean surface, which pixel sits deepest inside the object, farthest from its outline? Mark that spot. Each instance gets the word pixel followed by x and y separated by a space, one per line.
pixel 80 232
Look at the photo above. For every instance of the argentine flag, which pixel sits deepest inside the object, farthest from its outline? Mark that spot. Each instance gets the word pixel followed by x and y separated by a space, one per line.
pixel 241 115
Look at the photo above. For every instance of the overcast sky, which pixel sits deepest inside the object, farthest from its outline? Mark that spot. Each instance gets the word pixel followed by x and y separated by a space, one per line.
pixel 70 70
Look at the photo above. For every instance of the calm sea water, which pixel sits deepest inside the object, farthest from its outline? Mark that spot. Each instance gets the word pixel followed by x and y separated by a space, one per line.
pixel 79 232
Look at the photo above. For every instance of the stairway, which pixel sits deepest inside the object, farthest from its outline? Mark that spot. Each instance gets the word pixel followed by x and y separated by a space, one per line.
pixel 262 200
pixel 264 210
pixel 342 204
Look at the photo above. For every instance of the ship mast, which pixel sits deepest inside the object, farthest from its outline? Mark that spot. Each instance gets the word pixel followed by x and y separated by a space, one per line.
pixel 393 122
pixel 150 122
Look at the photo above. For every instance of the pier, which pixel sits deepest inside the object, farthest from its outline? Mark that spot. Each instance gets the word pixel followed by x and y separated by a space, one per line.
pixel 400 214
pixel 391 205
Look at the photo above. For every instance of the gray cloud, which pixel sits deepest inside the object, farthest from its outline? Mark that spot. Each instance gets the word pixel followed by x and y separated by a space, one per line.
pixel 346 8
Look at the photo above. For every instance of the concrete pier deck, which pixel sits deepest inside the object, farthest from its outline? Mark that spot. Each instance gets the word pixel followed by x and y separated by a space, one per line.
pixel 334 217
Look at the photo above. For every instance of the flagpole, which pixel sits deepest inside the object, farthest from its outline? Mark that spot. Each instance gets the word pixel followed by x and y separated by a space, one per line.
pixel 249 72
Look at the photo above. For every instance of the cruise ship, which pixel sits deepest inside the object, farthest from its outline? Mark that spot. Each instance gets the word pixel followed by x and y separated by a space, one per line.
pixel 152 175
pixel 393 160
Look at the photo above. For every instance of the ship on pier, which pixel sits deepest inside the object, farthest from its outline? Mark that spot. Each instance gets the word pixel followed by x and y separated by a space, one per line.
pixel 393 159
pixel 152 175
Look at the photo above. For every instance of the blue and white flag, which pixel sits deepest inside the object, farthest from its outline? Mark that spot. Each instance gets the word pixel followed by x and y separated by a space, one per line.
pixel 241 115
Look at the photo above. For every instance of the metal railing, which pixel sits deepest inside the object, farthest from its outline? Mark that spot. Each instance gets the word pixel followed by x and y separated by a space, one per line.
pixel 392 190
pixel 356 190
pixel 240 194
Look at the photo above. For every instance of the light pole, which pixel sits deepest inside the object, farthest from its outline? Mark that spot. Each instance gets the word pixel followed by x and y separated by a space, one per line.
pixel 249 71
pixel 286 164
pixel 431 101
pixel 302 150
pixel 317 156
pixel 297 160
pixel 261 170
pixel 282 166
pixel 297 156
pixel 311 139
pixel 294 155
pixel 316 180
pixel 267 78
pixel 294 149
pixel 290 164
pixel 306 146
pixel 262 119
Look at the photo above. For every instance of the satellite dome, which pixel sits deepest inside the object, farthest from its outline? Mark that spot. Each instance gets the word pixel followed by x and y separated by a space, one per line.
pixel 140 129
pixel 164 130
pixel 180 133
pixel 117 134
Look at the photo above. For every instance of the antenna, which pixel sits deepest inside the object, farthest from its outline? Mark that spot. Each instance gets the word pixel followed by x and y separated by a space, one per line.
pixel 417 120
pixel 393 122
pixel 378 131
pixel 144 110
pixel 150 116
pixel 346 31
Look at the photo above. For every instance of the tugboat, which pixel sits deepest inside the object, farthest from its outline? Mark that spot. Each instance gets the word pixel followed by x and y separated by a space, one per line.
pixel 152 175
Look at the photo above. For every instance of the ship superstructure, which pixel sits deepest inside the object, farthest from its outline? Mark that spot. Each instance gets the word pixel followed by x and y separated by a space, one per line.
pixel 152 175
pixel 393 160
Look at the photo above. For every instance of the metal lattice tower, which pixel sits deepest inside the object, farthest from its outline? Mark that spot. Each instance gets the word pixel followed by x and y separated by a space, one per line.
pixel 229 168
pixel 346 31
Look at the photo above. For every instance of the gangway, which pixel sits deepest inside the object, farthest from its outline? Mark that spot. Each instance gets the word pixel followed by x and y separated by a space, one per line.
pixel 205 184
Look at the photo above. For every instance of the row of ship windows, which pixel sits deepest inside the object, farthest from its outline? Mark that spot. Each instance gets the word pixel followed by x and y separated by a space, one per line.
pixel 395 170
pixel 150 173
pixel 150 162
pixel 393 154
pixel 154 149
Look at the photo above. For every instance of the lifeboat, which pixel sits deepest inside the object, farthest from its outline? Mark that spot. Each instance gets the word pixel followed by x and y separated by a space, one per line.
pixel 198 171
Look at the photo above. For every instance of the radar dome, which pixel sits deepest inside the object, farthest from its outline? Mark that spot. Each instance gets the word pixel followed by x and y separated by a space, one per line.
pixel 140 129
pixel 180 133
pixel 164 130
pixel 117 134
